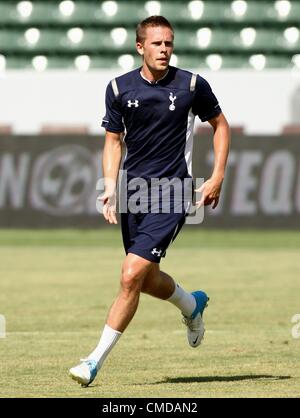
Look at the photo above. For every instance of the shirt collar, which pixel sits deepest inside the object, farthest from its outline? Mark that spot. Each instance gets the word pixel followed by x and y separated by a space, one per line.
pixel 151 82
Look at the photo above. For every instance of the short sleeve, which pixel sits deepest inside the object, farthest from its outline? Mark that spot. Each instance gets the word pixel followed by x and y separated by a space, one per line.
pixel 112 120
pixel 205 103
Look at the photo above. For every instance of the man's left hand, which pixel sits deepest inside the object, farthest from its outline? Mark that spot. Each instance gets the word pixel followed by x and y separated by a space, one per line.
pixel 210 190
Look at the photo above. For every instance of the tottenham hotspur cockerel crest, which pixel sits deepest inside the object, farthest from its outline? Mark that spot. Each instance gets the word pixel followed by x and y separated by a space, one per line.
pixel 172 98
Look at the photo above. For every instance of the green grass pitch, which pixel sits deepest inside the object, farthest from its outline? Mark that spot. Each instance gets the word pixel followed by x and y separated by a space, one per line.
pixel 56 288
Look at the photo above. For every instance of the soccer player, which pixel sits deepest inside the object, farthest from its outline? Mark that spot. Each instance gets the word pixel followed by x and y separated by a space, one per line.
pixel 155 105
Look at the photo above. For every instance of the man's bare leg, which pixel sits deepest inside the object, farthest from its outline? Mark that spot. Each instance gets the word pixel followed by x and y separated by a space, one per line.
pixel 158 284
pixel 161 285
pixel 134 270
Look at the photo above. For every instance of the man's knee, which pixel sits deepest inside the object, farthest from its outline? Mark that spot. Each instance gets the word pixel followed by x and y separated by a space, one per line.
pixel 130 279
pixel 133 275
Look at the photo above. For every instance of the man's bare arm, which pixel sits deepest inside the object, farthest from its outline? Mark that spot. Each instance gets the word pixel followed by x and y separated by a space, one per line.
pixel 112 155
pixel 211 189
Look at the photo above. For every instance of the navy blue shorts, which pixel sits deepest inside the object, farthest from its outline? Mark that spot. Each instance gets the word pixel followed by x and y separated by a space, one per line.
pixel 149 234
pixel 153 222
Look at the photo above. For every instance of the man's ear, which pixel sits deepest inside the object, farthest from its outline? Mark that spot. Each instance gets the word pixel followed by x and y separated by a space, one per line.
pixel 140 48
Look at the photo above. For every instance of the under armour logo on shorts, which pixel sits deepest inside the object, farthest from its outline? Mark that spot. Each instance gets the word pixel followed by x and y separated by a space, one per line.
pixel 134 103
pixel 156 252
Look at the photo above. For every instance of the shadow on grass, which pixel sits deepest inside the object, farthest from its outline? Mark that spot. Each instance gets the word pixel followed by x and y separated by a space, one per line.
pixel 207 379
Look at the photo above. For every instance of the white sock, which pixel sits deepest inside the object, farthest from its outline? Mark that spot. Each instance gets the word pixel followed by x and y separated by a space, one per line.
pixel 107 341
pixel 183 300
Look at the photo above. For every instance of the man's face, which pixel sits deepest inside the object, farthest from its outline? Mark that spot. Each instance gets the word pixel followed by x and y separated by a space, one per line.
pixel 157 48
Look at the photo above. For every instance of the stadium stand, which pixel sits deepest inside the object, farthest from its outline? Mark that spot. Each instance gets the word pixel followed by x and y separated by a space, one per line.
pixel 92 34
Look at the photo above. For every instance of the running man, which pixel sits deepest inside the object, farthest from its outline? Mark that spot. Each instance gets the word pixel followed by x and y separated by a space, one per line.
pixel 155 105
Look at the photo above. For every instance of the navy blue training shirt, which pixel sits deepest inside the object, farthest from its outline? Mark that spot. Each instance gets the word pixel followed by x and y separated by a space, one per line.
pixel 158 120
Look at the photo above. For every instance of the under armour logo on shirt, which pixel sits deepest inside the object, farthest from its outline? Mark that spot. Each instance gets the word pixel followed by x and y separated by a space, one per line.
pixel 134 103
pixel 172 98
pixel 156 252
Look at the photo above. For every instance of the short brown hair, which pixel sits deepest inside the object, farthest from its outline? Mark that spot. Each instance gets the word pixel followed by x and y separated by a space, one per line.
pixel 151 21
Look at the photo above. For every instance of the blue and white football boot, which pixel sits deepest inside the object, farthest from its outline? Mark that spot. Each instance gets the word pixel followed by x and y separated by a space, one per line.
pixel 85 372
pixel 194 323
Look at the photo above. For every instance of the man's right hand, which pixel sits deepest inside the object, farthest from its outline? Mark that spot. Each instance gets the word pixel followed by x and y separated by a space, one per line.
pixel 109 206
